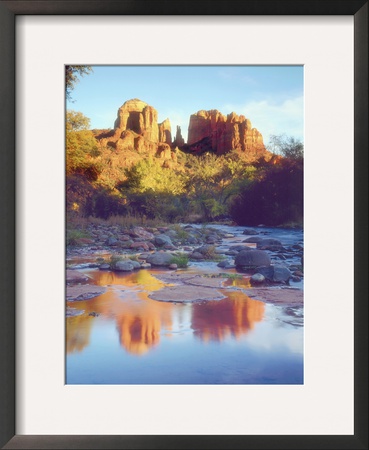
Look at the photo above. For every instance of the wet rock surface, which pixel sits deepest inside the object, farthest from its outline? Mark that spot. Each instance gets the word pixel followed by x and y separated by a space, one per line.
pixel 186 293
pixel 75 276
pixel 277 296
pixel 276 261
pixel 84 292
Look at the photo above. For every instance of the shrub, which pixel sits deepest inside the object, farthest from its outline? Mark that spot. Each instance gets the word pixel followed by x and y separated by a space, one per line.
pixel 182 234
pixel 114 259
pixel 181 259
pixel 73 236
pixel 274 199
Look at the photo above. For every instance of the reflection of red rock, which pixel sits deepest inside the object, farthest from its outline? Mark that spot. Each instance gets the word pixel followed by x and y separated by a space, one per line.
pixel 139 320
pixel 211 130
pixel 233 316
pixel 78 333
pixel 138 333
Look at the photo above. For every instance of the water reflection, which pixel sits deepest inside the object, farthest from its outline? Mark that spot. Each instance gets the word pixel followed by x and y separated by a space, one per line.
pixel 234 316
pixel 140 320
pixel 78 333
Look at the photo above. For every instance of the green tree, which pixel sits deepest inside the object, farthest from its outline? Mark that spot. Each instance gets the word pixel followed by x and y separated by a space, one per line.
pixel 72 74
pixel 149 175
pixel 275 197
pixel 287 146
pixel 213 180
pixel 81 146
pixel 155 191
pixel 76 121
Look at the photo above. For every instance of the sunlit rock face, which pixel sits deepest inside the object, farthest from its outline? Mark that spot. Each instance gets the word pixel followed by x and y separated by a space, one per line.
pixel 213 131
pixel 139 117
pixel 136 129
pixel 165 132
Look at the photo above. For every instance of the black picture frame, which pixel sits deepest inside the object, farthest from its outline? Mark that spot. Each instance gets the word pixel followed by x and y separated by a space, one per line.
pixel 8 12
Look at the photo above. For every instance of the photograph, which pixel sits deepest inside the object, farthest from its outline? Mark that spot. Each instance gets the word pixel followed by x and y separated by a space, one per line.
pixel 184 224
pixel 184 193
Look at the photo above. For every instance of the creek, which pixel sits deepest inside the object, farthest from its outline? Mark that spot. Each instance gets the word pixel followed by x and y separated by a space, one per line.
pixel 122 336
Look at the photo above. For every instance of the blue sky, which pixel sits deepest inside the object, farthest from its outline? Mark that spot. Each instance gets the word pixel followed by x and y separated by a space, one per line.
pixel 270 96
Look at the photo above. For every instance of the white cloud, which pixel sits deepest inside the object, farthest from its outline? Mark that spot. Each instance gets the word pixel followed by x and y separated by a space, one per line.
pixel 271 117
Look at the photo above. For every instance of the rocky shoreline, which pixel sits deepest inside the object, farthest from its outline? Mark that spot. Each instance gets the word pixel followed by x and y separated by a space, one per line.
pixel 270 266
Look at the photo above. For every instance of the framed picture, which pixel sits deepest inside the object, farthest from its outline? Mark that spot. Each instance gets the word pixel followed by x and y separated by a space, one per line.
pixel 327 407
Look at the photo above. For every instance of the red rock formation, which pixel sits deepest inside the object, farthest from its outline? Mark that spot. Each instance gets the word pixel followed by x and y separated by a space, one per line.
pixel 138 116
pixel 136 129
pixel 178 141
pixel 211 130
pixel 165 133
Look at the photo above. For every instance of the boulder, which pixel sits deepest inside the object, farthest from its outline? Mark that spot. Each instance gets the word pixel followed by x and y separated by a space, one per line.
pixel 163 239
pixel 239 248
pixel 124 266
pixel 253 239
pixel 276 273
pixel 269 242
pixel 160 259
pixel 141 233
pixel 257 278
pixel 136 264
pixel 142 245
pixel 197 256
pixel 226 264
pixel 251 259
pixel 250 231
pixel 111 241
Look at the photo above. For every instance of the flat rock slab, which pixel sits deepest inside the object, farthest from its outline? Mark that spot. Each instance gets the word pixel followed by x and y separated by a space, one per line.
pixel 191 279
pixel 186 293
pixel 74 276
pixel 174 277
pixel 84 292
pixel 279 296
pixel 73 312
pixel 199 280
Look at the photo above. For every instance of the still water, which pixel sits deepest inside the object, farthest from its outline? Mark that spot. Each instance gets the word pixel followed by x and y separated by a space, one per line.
pixel 132 339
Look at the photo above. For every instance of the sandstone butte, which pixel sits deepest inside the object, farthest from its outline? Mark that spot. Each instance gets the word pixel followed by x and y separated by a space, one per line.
pixel 136 128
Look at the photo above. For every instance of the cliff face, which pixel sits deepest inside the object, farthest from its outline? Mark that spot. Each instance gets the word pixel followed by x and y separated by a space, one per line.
pixel 178 141
pixel 136 128
pixel 211 130
pixel 138 116
pixel 165 133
